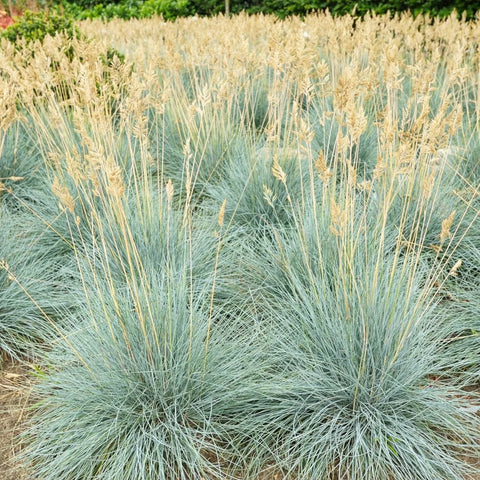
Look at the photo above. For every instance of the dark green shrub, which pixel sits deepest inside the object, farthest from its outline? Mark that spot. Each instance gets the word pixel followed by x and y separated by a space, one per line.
pixel 33 26
pixel 283 8
pixel 171 9
pixel 129 9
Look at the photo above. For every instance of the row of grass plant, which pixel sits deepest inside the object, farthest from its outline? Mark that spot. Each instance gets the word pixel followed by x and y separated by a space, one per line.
pixel 227 267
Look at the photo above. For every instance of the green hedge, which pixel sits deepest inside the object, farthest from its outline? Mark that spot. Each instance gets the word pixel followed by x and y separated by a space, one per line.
pixel 32 26
pixel 171 9
pixel 442 8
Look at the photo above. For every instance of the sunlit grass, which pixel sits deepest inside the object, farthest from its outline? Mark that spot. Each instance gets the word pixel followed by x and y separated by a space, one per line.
pixel 249 247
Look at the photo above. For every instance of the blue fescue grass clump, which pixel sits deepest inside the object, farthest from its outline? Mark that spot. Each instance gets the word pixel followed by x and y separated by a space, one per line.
pixel 149 380
pixel 359 349
pixel 133 410
pixel 461 308
pixel 255 200
pixel 31 286
pixel 364 407
pixel 356 388
pixel 32 272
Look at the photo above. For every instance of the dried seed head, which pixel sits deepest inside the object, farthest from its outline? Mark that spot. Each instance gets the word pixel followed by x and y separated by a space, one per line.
pixel 454 271
pixel 324 173
pixel 187 151
pixel 339 216
pixel 446 224
pixel 352 175
pixel 221 213
pixel 342 91
pixel 63 194
pixel 342 142
pixel 169 191
pixel 116 187
pixel 269 196
pixel 278 172
pixel 427 185
pixel 305 132
pixel 334 230
pixel 356 121
pixel 380 167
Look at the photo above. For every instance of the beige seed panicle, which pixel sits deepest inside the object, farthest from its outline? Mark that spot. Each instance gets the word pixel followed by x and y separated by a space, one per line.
pixel 428 184
pixel 324 173
pixel 169 190
pixel 221 214
pixel 116 185
pixel 277 171
pixel 269 196
pixel 446 225
pixel 454 270
pixel 356 121
pixel 63 195
pixel 339 217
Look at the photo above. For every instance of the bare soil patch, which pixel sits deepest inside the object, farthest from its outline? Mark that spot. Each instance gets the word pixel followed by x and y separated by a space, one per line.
pixel 15 387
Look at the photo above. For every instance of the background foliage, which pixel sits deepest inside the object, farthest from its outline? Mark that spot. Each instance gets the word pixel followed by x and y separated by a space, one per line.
pixel 171 9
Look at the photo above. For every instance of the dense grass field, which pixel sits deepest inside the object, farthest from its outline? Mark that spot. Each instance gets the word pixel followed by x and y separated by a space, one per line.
pixel 245 248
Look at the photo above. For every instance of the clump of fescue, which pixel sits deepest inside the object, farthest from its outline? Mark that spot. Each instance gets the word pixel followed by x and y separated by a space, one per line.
pixel 460 312
pixel 137 397
pixel 360 345
pixel 145 382
pixel 31 286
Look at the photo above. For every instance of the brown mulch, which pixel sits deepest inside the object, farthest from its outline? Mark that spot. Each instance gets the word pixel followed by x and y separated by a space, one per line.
pixel 15 387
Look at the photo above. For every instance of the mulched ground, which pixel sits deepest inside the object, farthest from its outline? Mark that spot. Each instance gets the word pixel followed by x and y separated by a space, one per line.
pixel 15 387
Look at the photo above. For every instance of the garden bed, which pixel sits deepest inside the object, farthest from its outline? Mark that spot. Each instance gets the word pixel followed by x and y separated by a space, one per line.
pixel 15 387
